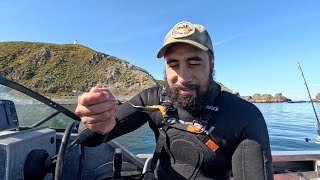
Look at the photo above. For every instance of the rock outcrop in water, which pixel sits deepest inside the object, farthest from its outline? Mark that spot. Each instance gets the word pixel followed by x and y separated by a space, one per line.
pixel 266 98
pixel 317 97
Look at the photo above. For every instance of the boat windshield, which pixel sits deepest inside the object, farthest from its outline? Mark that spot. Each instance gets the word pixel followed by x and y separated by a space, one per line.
pixel 33 113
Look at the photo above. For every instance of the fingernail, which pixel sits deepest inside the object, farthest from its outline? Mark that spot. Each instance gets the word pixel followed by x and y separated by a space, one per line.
pixel 106 95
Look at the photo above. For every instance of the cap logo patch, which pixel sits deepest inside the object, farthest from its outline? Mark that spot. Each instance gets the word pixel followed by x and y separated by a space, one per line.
pixel 182 29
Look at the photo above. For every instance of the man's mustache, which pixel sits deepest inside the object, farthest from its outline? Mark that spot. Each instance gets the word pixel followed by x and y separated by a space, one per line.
pixel 185 87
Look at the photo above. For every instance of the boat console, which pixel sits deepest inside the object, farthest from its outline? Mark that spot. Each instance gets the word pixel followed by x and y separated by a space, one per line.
pixel 8 115
pixel 38 140
pixel 15 146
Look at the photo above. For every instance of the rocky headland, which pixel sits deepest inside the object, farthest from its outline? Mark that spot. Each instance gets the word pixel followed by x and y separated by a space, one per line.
pixel 266 98
pixel 63 71
pixel 317 97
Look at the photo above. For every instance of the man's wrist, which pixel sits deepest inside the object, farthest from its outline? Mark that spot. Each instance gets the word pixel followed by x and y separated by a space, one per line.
pixel 89 138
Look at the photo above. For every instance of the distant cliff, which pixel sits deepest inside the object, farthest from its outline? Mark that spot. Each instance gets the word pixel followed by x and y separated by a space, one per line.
pixel 70 69
pixel 266 98
pixel 318 97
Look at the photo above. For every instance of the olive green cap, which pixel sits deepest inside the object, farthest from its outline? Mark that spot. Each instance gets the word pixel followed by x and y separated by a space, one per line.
pixel 186 32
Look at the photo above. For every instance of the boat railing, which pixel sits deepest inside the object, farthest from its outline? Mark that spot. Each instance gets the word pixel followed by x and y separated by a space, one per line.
pixel 296 164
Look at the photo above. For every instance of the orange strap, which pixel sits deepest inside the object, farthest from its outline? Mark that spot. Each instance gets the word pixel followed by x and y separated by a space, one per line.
pixel 209 143
pixel 192 128
pixel 212 145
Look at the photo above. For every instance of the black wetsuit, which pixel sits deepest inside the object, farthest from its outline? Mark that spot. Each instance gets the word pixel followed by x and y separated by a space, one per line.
pixel 235 121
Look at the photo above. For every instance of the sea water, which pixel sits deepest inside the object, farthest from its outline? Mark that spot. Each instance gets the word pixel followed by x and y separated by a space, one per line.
pixel 288 123
pixel 288 126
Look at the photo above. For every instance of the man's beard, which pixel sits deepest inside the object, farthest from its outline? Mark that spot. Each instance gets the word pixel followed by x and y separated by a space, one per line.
pixel 193 102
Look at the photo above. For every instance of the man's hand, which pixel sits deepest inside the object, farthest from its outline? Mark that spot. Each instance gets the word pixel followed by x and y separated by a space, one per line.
pixel 97 110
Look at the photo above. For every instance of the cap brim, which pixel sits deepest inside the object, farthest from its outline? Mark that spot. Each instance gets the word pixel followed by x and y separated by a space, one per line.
pixel 164 48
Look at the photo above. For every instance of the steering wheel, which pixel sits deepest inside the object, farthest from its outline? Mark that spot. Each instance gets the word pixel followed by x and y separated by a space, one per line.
pixel 58 175
pixel 56 106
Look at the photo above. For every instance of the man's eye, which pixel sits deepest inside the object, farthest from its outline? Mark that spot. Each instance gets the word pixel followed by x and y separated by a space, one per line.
pixel 173 64
pixel 194 64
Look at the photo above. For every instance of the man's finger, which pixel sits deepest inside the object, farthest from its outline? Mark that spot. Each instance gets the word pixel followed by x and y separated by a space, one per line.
pixel 92 98
pixel 105 91
pixel 107 94
pixel 95 109
pixel 105 117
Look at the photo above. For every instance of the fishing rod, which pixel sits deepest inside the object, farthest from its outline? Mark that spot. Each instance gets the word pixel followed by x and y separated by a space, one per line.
pixel 314 110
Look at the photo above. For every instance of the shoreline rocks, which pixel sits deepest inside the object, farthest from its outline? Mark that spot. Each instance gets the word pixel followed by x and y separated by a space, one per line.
pixel 317 97
pixel 266 98
pixel 71 100
pixel 256 98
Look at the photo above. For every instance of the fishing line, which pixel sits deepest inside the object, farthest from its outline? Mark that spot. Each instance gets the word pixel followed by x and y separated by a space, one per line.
pixel 314 110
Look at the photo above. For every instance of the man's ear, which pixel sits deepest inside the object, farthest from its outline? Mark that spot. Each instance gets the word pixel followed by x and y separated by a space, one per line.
pixel 212 64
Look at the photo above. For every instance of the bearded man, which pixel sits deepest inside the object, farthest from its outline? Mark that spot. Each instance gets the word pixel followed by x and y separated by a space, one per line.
pixel 201 131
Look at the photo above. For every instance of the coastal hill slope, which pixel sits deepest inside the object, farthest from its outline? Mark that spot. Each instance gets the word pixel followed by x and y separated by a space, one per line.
pixel 57 70
pixel 67 70
pixel 63 70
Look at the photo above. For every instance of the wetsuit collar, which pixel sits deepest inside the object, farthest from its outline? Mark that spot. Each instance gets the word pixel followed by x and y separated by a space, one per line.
pixel 215 90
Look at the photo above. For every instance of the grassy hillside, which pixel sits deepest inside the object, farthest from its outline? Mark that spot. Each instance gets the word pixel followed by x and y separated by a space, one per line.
pixel 67 70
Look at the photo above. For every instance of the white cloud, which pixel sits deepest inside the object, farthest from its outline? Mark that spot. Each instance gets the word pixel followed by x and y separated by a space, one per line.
pixel 231 38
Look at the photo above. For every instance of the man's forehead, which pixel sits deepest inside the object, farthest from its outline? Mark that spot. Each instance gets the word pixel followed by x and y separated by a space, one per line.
pixel 179 46
pixel 180 52
pixel 183 50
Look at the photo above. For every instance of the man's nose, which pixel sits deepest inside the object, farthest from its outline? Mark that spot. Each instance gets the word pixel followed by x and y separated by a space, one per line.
pixel 184 76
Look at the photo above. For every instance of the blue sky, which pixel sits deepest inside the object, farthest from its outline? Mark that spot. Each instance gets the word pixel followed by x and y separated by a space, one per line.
pixel 257 44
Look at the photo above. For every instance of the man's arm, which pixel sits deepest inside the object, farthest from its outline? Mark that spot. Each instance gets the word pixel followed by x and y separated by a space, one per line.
pixel 252 159
pixel 127 119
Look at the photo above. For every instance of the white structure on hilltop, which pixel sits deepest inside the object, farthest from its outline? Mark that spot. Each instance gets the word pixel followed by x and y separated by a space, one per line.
pixel 75 42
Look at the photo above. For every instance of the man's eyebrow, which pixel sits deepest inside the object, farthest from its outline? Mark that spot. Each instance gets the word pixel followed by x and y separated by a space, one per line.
pixel 194 58
pixel 171 61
